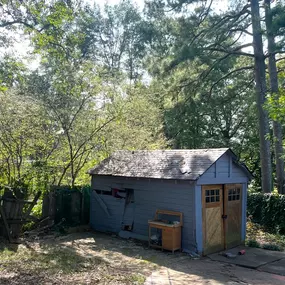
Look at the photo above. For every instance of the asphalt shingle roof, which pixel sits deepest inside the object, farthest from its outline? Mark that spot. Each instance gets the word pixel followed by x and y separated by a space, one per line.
pixel 164 164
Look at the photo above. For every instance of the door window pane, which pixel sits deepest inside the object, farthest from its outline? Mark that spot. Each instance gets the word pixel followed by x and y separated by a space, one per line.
pixel 234 194
pixel 212 196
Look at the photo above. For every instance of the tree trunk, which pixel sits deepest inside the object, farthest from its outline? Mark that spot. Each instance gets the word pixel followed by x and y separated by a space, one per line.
pixel 277 129
pixel 260 81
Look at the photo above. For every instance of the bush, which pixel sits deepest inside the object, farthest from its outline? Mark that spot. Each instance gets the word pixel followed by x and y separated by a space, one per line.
pixel 268 210
pixel 271 246
pixel 252 243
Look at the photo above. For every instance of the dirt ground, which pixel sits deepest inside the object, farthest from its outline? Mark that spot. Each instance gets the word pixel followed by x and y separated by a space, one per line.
pixel 95 258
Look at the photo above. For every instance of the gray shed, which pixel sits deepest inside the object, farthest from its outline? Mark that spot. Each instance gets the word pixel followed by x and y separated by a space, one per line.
pixel 208 186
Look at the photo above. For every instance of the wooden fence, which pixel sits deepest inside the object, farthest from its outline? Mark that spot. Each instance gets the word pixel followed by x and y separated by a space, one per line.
pixel 14 213
pixel 67 205
pixel 61 205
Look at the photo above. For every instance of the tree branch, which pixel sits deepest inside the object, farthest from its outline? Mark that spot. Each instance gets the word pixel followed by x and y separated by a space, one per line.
pixel 228 74
pixel 236 52
pixel 11 23
pixel 241 30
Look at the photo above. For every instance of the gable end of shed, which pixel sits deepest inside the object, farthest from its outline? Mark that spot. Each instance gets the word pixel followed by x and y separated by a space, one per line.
pixel 225 170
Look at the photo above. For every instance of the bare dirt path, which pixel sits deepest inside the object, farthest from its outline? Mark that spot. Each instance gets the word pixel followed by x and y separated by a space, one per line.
pixel 94 258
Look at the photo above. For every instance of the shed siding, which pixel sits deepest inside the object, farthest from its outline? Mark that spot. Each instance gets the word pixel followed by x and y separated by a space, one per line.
pixel 198 218
pixel 223 171
pixel 99 220
pixel 149 195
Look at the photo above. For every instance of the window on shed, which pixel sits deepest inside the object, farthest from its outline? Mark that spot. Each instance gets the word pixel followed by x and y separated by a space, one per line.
pixel 119 193
pixel 234 194
pixel 103 192
pixel 212 196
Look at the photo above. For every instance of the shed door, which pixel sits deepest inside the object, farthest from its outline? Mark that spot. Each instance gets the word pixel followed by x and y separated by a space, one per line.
pixel 232 202
pixel 212 202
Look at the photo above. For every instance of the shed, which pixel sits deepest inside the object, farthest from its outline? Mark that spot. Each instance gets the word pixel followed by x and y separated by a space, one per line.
pixel 209 186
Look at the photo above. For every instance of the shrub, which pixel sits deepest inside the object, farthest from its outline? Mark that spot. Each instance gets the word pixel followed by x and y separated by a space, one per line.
pixel 268 210
pixel 271 246
pixel 252 243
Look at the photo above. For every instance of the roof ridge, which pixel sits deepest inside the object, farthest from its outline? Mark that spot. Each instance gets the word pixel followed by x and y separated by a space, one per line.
pixel 188 164
pixel 172 150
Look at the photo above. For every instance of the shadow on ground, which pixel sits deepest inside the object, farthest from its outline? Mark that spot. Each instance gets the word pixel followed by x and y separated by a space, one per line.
pixel 96 258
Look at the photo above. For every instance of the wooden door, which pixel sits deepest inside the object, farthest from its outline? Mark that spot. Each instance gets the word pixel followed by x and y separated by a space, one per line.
pixel 232 212
pixel 213 229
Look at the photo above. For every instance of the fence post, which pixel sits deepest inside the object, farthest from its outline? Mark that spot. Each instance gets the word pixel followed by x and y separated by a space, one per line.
pixel 51 212
pixel 82 206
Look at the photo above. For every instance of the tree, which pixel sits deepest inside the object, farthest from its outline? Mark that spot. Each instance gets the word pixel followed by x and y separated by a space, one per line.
pixel 12 72
pixel 139 124
pixel 261 89
pixel 274 89
pixel 72 98
pixel 214 38
pixel 26 143
pixel 113 38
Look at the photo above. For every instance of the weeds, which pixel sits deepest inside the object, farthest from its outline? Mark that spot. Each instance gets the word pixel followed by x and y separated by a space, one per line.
pixel 49 259
pixel 258 237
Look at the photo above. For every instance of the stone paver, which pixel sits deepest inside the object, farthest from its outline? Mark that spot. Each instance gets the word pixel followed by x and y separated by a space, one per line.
pixel 212 272
pixel 277 267
pixel 253 258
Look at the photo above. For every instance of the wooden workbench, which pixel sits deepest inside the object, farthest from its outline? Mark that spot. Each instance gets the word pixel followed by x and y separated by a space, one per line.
pixel 170 232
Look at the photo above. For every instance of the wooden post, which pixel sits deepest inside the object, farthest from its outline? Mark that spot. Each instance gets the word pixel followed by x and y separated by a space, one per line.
pixel 51 212
pixel 82 210
pixel 5 223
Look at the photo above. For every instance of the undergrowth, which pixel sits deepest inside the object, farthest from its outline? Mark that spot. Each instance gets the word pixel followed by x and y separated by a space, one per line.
pixel 257 236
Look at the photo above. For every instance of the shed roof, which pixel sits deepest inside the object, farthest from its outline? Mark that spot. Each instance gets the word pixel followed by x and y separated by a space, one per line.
pixel 188 164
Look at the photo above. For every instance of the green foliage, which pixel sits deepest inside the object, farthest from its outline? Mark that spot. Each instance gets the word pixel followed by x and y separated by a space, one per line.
pixel 252 243
pixel 11 72
pixel 276 102
pixel 25 142
pixel 259 234
pixel 268 210
pixel 118 78
pixel 37 209
pixel 273 247
pixel 114 37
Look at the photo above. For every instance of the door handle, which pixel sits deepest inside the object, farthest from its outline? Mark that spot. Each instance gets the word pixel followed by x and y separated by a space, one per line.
pixel 224 217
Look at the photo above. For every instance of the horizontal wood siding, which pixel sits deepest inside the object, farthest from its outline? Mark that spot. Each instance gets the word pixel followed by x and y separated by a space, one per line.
pixel 223 171
pixel 99 220
pixel 149 195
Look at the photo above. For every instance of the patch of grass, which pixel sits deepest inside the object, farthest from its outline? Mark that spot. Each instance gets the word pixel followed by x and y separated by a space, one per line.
pixel 49 259
pixel 137 279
